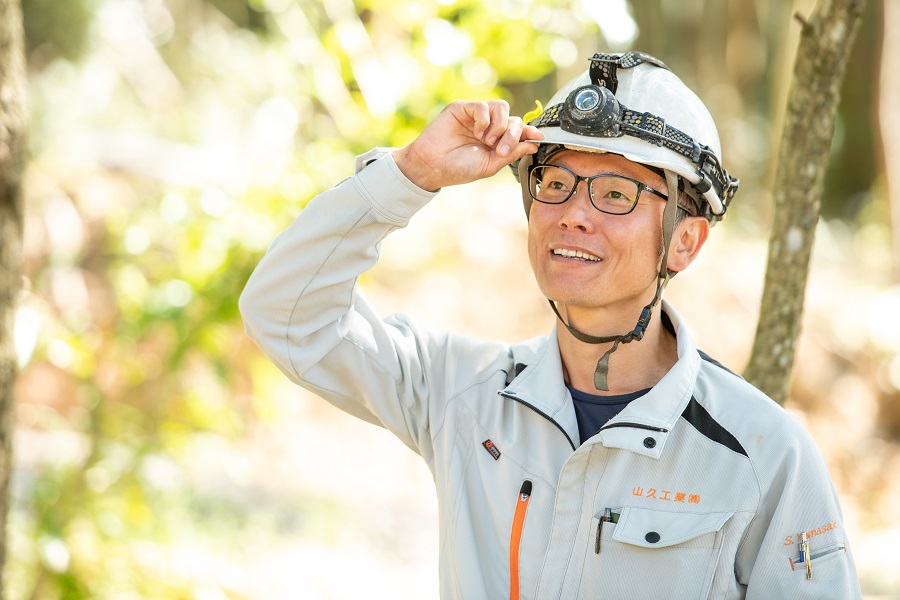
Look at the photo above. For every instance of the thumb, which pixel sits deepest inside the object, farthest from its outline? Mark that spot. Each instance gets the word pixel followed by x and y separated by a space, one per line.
pixel 521 149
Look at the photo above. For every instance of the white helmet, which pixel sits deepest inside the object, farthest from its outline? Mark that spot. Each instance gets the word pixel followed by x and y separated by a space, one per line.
pixel 631 104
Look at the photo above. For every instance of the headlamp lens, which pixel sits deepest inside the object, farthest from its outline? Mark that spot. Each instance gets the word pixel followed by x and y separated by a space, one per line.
pixel 586 99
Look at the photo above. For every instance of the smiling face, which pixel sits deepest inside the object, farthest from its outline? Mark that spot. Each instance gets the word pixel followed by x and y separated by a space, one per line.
pixel 588 260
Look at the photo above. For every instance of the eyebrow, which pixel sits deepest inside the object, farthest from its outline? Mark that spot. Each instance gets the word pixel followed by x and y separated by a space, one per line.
pixel 616 171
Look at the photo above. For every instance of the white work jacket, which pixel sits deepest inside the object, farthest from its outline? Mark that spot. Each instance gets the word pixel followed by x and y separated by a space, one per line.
pixel 702 488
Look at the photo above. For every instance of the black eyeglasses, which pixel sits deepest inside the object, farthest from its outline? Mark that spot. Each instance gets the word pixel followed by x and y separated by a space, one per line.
pixel 611 194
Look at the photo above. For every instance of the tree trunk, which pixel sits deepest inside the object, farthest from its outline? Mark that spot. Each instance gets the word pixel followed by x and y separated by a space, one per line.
pixel 889 120
pixel 825 43
pixel 12 160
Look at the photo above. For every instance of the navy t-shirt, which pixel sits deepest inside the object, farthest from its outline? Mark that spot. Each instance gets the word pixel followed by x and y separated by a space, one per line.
pixel 592 412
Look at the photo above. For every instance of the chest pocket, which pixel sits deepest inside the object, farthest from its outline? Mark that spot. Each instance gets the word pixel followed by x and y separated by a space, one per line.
pixel 653 554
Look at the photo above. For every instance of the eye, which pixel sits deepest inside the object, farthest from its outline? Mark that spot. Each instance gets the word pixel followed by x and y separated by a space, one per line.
pixel 556 185
pixel 551 184
pixel 618 196
pixel 555 180
pixel 614 194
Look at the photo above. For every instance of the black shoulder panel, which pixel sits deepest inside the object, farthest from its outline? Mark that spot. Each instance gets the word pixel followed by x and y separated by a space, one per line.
pixel 703 422
pixel 711 360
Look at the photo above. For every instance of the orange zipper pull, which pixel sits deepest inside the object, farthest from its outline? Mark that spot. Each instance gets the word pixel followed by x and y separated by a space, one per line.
pixel 516 538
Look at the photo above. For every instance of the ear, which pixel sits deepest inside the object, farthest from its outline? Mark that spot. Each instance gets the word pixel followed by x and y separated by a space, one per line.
pixel 689 237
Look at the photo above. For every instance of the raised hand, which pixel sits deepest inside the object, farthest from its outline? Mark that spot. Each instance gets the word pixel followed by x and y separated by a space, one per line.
pixel 466 141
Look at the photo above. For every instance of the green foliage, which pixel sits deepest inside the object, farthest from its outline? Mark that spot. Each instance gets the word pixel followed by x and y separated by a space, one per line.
pixel 57 29
pixel 171 142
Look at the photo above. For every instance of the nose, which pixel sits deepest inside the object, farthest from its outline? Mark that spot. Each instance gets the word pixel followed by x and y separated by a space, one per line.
pixel 578 212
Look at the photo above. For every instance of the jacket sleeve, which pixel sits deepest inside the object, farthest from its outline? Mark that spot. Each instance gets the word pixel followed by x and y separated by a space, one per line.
pixel 797 496
pixel 302 309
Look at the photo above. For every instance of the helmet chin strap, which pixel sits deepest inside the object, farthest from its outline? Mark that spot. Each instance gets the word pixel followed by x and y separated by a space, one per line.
pixel 668 228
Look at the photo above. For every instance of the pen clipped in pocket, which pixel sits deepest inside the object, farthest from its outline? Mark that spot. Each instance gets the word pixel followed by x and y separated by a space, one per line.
pixel 816 555
pixel 609 515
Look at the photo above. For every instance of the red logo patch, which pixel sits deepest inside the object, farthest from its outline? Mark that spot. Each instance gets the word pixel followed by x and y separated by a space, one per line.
pixel 490 447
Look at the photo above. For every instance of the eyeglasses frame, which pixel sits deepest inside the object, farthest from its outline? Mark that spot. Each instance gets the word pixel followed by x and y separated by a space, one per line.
pixel 578 179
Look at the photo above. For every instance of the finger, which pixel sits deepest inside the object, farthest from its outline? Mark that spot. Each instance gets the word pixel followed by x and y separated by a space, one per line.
pixel 530 132
pixel 480 113
pixel 499 121
pixel 516 133
pixel 511 136
pixel 522 149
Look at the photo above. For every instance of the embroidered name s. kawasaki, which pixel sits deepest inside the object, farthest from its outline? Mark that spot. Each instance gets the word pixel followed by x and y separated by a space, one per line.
pixel 795 539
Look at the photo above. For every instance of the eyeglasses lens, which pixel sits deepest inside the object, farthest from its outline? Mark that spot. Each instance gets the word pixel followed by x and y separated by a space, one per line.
pixel 609 193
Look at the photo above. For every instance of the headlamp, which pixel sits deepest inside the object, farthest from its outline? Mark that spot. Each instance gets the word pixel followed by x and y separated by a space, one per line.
pixel 591 110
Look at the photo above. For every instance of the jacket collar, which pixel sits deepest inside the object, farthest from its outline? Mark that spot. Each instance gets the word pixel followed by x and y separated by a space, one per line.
pixel 655 414
pixel 541 385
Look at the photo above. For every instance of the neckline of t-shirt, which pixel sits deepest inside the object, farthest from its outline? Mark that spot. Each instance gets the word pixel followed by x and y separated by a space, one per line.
pixel 580 396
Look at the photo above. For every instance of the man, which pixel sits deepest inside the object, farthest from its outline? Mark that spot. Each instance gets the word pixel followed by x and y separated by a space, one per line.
pixel 610 459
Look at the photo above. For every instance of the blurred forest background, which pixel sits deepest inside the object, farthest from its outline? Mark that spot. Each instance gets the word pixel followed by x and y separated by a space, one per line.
pixel 159 455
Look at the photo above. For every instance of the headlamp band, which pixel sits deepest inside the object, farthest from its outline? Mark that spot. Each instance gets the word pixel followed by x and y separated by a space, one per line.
pixel 604 66
pixel 654 130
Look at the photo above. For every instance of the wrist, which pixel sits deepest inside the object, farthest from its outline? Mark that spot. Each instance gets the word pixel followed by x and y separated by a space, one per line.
pixel 416 170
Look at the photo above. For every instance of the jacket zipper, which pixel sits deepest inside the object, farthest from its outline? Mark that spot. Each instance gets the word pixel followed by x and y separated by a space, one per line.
pixel 516 538
pixel 558 426
pixel 540 412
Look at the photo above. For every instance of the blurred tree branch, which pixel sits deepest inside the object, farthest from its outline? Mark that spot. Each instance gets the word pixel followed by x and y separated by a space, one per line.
pixel 825 44
pixel 12 159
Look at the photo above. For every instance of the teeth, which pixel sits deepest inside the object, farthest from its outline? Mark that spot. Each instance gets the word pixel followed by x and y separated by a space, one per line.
pixel 576 254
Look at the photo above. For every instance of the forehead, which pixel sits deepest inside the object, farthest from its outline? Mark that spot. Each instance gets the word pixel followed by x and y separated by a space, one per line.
pixel 589 163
